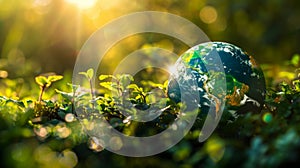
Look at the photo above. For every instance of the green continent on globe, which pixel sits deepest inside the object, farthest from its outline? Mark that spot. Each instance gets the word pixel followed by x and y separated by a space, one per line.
pixel 210 65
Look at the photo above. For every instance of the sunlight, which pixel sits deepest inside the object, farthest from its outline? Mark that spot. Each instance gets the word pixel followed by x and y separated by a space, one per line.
pixel 82 4
pixel 172 69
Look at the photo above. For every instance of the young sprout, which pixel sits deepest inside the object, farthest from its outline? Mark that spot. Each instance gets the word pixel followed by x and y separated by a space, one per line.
pixel 45 81
pixel 89 74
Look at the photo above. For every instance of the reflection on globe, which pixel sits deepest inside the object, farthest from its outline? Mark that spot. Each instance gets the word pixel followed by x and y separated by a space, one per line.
pixel 244 89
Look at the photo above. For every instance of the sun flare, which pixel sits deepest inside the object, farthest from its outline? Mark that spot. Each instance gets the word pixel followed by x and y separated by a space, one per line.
pixel 172 69
pixel 82 4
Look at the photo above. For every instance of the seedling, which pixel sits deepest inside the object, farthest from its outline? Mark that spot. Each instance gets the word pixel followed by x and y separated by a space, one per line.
pixel 45 82
pixel 89 74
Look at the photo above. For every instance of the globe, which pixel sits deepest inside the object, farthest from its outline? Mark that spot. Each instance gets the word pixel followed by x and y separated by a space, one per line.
pixel 222 75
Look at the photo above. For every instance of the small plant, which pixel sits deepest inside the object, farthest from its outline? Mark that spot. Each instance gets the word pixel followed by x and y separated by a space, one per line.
pixel 45 81
pixel 89 74
pixel 48 110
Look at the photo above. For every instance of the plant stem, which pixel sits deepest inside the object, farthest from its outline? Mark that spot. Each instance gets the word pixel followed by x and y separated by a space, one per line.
pixel 92 93
pixel 41 93
pixel 73 101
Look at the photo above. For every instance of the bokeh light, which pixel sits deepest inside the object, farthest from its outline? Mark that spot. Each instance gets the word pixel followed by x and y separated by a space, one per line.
pixel 215 148
pixel 68 158
pixel 3 74
pixel 267 117
pixel 115 143
pixel 62 130
pixel 208 14
pixel 69 117
pixel 42 132
pixel 48 158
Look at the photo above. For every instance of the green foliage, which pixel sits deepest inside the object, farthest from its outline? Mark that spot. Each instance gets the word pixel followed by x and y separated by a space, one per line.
pixel 56 127
pixel 123 96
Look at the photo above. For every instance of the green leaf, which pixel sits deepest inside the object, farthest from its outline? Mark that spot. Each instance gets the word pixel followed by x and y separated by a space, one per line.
pixel 125 80
pixel 19 103
pixel 285 88
pixel 61 114
pixel 44 81
pixel 54 78
pixel 27 102
pixel 66 95
pixel 108 85
pixel 133 86
pixel 41 80
pixel 295 60
pixel 83 73
pixel 90 73
pixel 74 87
pixel 296 84
pixel 138 97
pixel 103 77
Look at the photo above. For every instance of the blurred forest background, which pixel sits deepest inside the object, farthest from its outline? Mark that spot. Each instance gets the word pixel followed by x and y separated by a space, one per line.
pixel 38 36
